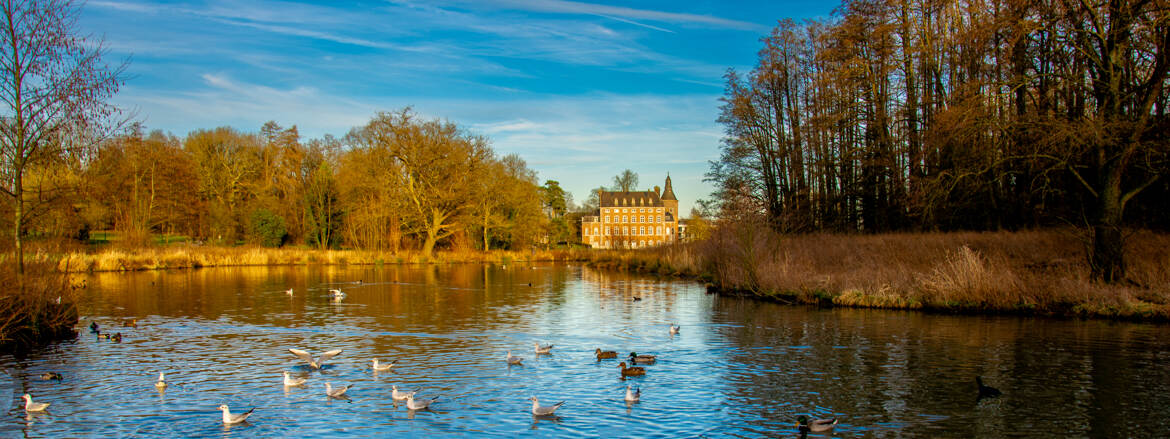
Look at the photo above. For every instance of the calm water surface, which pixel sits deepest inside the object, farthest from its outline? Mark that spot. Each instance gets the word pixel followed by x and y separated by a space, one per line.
pixel 738 369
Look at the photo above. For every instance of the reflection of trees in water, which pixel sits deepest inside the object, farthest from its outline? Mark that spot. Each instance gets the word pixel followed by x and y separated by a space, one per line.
pixel 914 372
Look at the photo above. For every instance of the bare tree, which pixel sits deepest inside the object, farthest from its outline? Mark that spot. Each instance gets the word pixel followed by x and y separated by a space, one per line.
pixel 54 86
pixel 626 181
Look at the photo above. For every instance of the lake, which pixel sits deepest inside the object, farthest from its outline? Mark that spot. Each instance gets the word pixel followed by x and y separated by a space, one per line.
pixel 738 368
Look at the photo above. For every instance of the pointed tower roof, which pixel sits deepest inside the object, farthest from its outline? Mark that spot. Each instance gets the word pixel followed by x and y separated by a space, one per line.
pixel 668 192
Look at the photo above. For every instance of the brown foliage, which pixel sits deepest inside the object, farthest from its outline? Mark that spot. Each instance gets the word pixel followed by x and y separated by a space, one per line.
pixel 35 308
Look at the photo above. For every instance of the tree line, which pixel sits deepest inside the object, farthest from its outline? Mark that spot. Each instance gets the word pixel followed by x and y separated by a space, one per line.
pixel 955 114
pixel 399 181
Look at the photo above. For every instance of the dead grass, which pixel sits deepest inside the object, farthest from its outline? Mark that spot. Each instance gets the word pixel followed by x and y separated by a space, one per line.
pixel 1041 272
pixel 35 308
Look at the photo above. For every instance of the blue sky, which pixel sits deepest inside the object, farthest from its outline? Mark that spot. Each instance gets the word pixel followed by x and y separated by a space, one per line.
pixel 580 90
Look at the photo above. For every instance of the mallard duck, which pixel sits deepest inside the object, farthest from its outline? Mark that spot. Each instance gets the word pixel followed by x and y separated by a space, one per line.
pixel 51 376
pixel 633 395
pixel 161 383
pixel 103 335
pixel 631 371
pixel 336 393
pixel 543 410
pixel 512 359
pixel 604 355
pixel 132 323
pixel 986 391
pixel 229 418
pixel 674 329
pixel 546 349
pixel 642 359
pixel 117 338
pixel 319 362
pixel 30 406
pixel 806 424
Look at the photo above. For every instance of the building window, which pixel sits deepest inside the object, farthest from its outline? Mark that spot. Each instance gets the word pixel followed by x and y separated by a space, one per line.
pixel 625 219
pixel 641 230
pixel 659 230
pixel 625 230
pixel 606 230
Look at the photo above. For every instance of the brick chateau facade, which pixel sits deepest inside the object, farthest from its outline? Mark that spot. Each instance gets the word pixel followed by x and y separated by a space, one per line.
pixel 633 219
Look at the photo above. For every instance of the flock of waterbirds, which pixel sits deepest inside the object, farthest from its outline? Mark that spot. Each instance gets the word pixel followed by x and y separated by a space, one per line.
pixel 632 394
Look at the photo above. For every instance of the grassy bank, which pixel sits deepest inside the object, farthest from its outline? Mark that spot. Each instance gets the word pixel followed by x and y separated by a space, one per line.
pixel 36 308
pixel 189 256
pixel 1032 273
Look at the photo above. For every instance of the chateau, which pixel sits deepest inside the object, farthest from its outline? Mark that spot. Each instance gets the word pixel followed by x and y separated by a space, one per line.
pixel 633 219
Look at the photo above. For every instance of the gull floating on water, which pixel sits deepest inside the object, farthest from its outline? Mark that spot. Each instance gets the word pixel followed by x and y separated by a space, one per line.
pixel 674 329
pixel 545 410
pixel 335 293
pixel 336 393
pixel 289 291
pixel 419 404
pixel 229 418
pixel 30 406
pixel 383 368
pixel 546 349
pixel 401 396
pixel 161 383
pixel 512 359
pixel 319 362
pixel 633 395
pixel 289 381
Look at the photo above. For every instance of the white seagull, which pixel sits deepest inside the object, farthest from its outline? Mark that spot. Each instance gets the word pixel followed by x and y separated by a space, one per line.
pixel 30 406
pixel 402 396
pixel 289 381
pixel 546 349
pixel 319 362
pixel 161 383
pixel 674 329
pixel 421 404
pixel 229 418
pixel 383 368
pixel 336 293
pixel 546 410
pixel 289 292
pixel 336 393
pixel 512 359
pixel 633 395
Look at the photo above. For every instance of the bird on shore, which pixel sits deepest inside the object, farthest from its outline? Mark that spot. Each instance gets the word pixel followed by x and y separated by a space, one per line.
pixel 642 359
pixel 631 371
pixel 815 425
pixel 319 362
pixel 633 395
pixel 512 359
pixel 674 329
pixel 229 418
pixel 543 410
pixel 336 393
pixel 289 381
pixel 986 391
pixel 383 367
pixel 419 404
pixel 161 384
pixel 396 395
pixel 51 376
pixel 30 406
pixel 546 349
pixel 604 355
pixel 93 328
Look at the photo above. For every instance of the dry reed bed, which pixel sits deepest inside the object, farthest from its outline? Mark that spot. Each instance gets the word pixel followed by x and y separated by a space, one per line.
pixel 35 308
pixel 198 256
pixel 1034 272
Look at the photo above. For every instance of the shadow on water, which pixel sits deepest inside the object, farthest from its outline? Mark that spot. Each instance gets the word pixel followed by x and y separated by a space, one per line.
pixel 738 368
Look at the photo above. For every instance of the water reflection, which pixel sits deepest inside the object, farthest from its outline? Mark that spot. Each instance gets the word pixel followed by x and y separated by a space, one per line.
pixel 740 368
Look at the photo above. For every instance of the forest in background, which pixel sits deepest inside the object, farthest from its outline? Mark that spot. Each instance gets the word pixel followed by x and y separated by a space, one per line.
pixel 918 115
